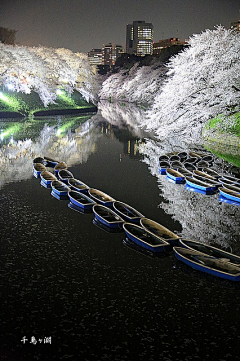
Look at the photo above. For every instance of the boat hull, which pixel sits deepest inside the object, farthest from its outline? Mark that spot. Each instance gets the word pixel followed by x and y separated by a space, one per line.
pixel 107 217
pixel 229 194
pixel 128 213
pixel 101 197
pixel 175 176
pixel 192 258
pixel 81 200
pixel 145 239
pixel 60 188
pixel 160 231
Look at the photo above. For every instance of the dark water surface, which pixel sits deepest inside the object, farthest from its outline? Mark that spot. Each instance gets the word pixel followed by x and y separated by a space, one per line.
pixel 81 290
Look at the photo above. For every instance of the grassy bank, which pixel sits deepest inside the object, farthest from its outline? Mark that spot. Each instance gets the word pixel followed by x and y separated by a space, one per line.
pixel 28 104
pixel 224 124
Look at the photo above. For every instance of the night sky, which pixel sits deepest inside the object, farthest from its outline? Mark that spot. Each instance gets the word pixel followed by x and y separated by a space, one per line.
pixel 80 25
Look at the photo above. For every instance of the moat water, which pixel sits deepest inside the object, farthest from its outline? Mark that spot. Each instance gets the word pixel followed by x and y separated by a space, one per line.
pixel 72 291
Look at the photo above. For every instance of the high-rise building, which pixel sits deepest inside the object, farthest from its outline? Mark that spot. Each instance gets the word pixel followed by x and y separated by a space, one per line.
pixel 95 56
pixel 235 25
pixel 110 53
pixel 166 43
pixel 139 38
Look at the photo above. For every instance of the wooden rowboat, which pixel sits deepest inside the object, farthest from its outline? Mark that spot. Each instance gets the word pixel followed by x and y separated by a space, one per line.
pixel 60 188
pixel 229 194
pixel 64 175
pixel 59 166
pixel 127 212
pixel 207 264
pixel 163 165
pixel 174 175
pixel 78 185
pixel 101 197
pixel 211 251
pixel 203 186
pixel 38 168
pixel 51 162
pixel 107 217
pixel 81 200
pixel 160 231
pixel 47 177
pixel 145 239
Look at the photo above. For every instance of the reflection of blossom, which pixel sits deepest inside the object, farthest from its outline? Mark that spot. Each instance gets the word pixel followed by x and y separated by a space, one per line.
pixel 123 115
pixel 203 218
pixel 75 147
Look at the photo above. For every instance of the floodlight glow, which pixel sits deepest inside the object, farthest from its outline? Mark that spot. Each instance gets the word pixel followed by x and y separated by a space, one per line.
pixel 3 97
pixel 10 86
pixel 59 92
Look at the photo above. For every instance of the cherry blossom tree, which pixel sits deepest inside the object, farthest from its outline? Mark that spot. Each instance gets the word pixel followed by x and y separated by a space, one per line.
pixel 202 82
pixel 45 70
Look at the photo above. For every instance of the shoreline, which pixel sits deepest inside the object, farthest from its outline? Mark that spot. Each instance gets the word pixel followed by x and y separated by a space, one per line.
pixel 50 112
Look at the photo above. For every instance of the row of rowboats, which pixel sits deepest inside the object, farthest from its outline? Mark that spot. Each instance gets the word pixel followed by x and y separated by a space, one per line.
pixel 116 216
pixel 201 178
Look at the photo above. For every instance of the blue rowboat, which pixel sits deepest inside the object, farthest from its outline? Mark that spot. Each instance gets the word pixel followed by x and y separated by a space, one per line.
pixel 38 168
pixel 127 212
pixel 60 188
pixel 50 162
pixel 203 186
pixel 64 175
pixel 107 217
pixel 191 160
pixel 207 264
pixel 203 174
pixel 101 197
pixel 40 160
pixel 163 165
pixel 145 239
pixel 211 251
pixel 175 164
pixel 232 187
pixel 231 179
pixel 47 177
pixel 182 155
pixel 189 166
pixel 202 164
pixel 160 231
pixel 174 175
pixel 213 182
pixel 164 157
pixel 211 172
pixel 230 194
pixel 78 185
pixel 59 166
pixel 81 200
pixel 184 172
pixel 174 158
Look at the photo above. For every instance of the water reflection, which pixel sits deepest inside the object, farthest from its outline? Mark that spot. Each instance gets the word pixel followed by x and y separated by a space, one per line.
pixel 203 217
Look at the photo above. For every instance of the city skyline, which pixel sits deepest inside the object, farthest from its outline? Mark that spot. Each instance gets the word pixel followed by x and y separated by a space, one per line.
pixel 81 25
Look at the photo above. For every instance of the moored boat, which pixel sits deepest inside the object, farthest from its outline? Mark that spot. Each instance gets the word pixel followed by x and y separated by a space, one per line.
pixel 47 177
pixel 81 200
pixel 231 179
pixel 64 175
pixel 174 175
pixel 191 160
pixel 127 212
pixel 163 165
pixel 189 166
pixel 202 164
pixel 78 185
pixel 211 251
pixel 59 166
pixel 174 158
pixel 38 168
pixel 211 172
pixel 232 187
pixel 145 239
pixel 203 174
pixel 213 182
pixel 51 162
pixel 207 264
pixel 175 164
pixel 40 160
pixel 183 156
pixel 163 157
pixel 107 217
pixel 101 197
pixel 60 188
pixel 229 194
pixel 203 186
pixel 161 231
pixel 184 172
